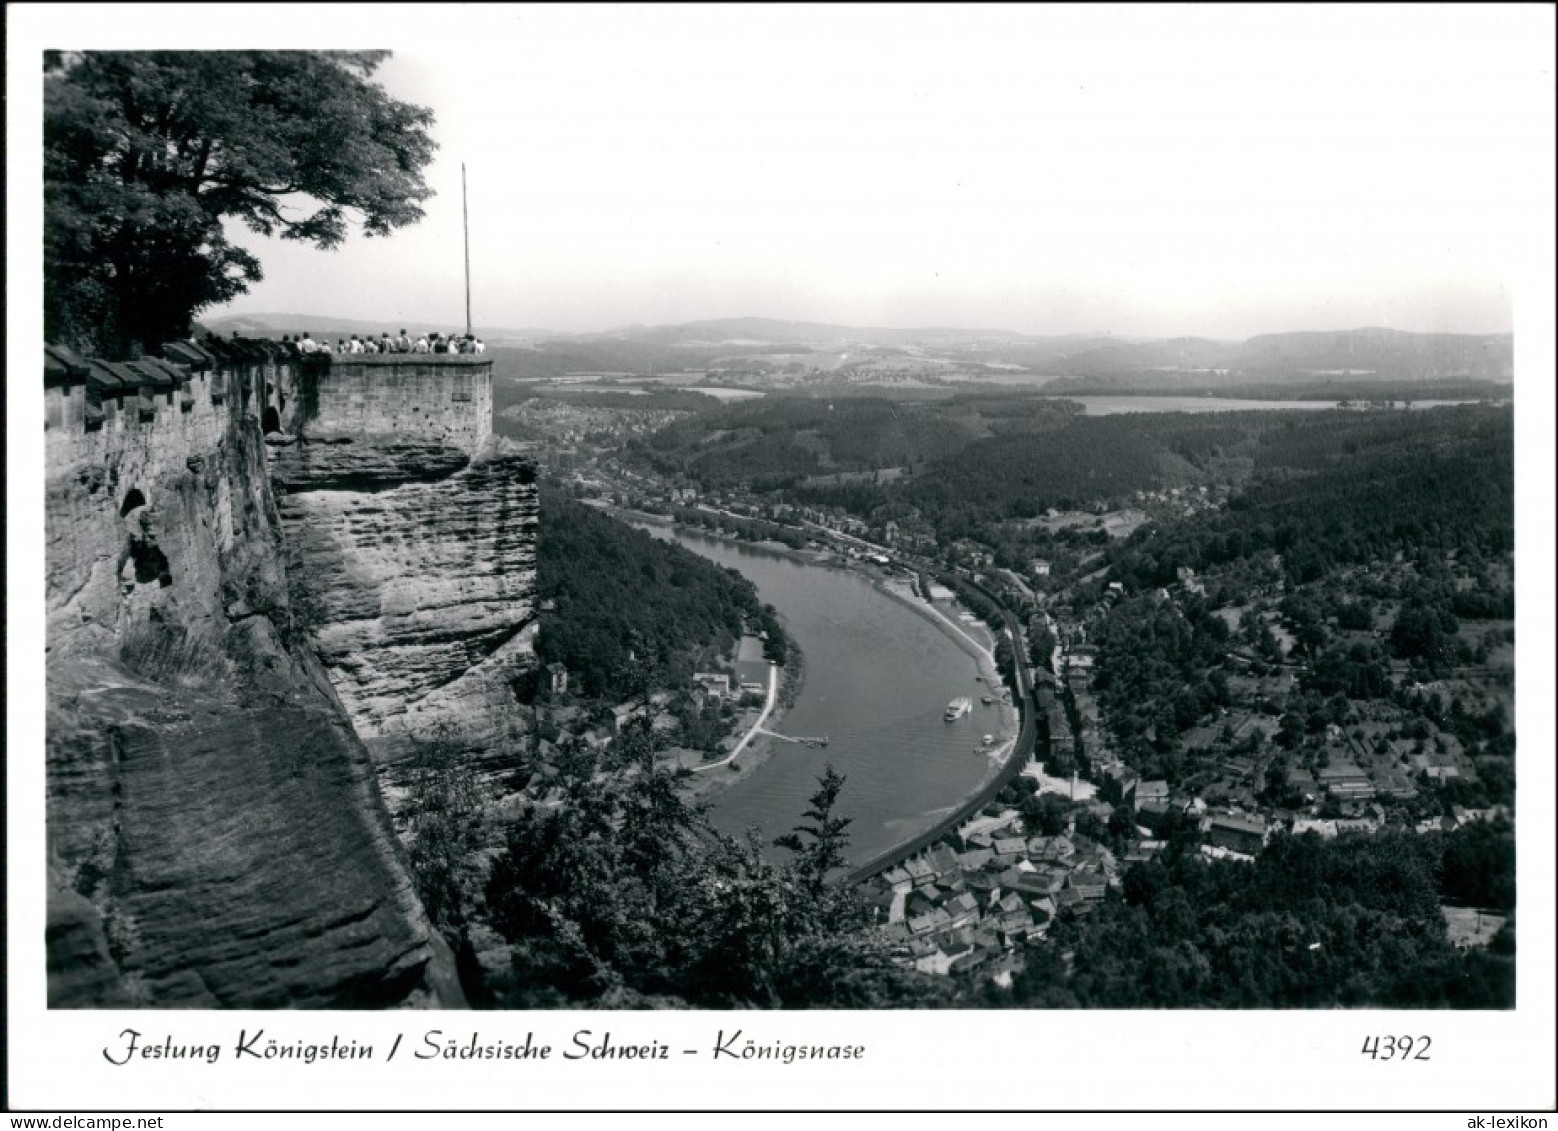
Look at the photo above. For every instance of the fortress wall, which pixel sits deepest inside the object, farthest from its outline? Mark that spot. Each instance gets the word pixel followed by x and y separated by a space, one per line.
pixel 64 411
pixel 177 429
pixel 111 484
pixel 428 400
pixel 440 397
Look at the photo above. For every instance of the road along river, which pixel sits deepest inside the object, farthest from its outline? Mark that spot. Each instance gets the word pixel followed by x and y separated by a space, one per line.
pixel 878 678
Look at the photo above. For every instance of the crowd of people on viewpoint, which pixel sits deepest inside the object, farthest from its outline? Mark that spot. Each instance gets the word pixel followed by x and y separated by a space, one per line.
pixel 426 343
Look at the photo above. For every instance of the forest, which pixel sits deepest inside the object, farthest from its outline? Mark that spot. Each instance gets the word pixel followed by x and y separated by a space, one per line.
pixel 623 896
pixel 1344 483
pixel 1020 475
pixel 625 611
pixel 779 442
pixel 1323 487
pixel 747 529
pixel 970 459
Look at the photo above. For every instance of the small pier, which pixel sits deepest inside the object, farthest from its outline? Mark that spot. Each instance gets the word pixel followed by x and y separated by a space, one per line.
pixel 800 740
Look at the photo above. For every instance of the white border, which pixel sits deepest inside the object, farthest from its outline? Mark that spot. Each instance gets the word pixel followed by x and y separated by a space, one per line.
pixel 1041 1061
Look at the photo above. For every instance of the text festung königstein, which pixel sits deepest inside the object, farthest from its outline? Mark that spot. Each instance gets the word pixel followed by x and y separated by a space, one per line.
pixel 585 1044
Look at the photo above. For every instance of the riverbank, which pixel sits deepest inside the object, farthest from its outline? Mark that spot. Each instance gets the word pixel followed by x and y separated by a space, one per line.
pixel 1005 759
pixel 756 728
pixel 894 589
pixel 715 778
pixel 708 783
pixel 879 671
pixel 1011 720
pixel 778 549
pixel 884 583
pixel 752 750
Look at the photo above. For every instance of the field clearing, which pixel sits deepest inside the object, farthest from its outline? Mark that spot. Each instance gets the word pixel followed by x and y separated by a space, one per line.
pixel 1501 654
pixel 840 478
pixel 1468 926
pixel 1117 524
pixel 1233 616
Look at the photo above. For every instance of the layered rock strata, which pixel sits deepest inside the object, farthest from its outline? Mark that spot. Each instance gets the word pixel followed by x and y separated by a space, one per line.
pixel 423 575
pixel 215 833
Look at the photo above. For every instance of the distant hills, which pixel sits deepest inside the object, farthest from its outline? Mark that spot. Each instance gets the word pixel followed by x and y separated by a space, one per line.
pixel 774 331
pixel 756 348
pixel 1391 353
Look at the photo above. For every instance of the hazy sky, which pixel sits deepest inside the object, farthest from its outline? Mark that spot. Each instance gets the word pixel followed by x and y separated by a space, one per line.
pixel 1146 171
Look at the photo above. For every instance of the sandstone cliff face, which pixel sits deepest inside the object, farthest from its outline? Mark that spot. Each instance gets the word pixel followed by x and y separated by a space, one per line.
pixel 421 560
pixel 216 836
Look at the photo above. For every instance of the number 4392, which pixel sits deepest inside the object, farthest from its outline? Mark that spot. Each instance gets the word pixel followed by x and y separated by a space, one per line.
pixel 1396 1048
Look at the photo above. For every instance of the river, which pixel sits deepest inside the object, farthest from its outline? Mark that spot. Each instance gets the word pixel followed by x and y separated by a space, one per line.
pixel 878 680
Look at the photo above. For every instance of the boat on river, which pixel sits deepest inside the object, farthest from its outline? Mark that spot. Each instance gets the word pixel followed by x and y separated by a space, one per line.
pixel 958 708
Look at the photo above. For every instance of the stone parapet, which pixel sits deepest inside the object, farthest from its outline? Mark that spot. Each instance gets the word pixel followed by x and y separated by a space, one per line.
pixel 444 398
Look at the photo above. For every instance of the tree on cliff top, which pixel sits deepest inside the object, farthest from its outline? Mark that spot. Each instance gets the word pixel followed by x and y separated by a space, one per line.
pixel 147 155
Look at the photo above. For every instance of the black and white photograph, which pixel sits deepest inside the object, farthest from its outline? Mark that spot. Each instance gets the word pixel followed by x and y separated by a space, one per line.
pixel 766 557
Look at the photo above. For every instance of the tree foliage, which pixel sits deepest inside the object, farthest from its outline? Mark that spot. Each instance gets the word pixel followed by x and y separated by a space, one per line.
pixel 819 846
pixel 443 812
pixel 624 894
pixel 150 158
pixel 1335 489
pixel 627 608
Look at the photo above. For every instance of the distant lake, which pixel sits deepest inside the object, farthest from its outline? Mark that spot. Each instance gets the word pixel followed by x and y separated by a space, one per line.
pixel 878 680
pixel 722 393
pixel 576 387
pixel 1114 406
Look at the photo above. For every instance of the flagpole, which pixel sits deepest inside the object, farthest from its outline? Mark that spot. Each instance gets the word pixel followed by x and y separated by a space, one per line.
pixel 466 215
